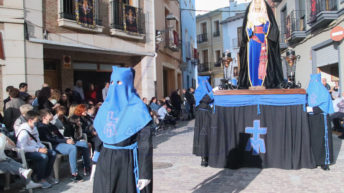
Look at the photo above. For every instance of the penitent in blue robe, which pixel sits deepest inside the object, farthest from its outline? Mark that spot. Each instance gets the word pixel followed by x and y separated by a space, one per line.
pixel 254 53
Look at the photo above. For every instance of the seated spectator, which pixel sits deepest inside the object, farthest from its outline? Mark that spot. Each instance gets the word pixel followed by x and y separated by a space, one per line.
pixel 21 119
pixel 12 111
pixel 59 118
pixel 338 116
pixel 49 132
pixel 9 165
pixel 153 104
pixel 324 82
pixel 55 96
pixel 335 90
pixel 165 116
pixel 42 157
pixel 86 121
pixel 73 130
pixel 72 110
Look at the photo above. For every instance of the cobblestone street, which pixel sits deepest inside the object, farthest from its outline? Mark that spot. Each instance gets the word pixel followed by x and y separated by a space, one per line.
pixel 177 170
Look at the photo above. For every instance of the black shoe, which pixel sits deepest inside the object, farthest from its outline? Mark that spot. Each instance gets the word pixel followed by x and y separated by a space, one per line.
pixel 204 162
pixel 76 178
pixel 325 167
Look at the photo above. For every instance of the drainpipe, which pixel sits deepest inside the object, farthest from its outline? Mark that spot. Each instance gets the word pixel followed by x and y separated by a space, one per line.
pixel 181 38
pixel 26 37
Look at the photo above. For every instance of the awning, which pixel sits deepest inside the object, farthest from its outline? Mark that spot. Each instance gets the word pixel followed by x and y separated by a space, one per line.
pixel 87 48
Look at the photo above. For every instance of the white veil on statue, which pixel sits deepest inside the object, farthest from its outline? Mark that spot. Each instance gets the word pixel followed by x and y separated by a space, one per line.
pixel 258 13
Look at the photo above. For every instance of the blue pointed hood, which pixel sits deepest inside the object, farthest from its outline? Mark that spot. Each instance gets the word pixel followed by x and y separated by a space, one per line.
pixel 318 95
pixel 203 89
pixel 123 113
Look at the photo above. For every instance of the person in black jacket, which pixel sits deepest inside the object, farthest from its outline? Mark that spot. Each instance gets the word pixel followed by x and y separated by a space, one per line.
pixel 49 132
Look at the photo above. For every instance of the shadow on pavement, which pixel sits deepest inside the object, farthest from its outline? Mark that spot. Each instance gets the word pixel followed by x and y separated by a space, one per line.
pixel 337 144
pixel 165 135
pixel 228 180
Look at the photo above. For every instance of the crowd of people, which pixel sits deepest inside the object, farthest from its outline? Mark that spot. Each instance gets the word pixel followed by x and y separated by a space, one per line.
pixel 172 108
pixel 65 120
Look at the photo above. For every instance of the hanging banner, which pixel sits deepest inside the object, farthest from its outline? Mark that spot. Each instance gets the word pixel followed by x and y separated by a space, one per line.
pixel 130 18
pixel 313 11
pixel 85 13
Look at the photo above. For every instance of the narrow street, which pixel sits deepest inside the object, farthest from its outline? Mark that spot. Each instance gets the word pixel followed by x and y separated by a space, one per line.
pixel 176 170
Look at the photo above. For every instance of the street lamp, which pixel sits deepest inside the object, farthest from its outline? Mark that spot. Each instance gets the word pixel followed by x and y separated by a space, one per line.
pixel 291 59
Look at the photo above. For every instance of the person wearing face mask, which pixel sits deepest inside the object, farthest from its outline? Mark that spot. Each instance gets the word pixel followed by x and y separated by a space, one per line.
pixel 123 124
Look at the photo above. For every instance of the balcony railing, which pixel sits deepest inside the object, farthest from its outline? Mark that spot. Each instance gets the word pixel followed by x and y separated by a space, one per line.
pixel 202 38
pixel 119 16
pixel 204 67
pixel 295 25
pixel 68 11
pixel 317 7
pixel 217 33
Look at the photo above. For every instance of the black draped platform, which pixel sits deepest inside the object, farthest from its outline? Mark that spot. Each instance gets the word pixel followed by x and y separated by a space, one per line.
pixel 260 128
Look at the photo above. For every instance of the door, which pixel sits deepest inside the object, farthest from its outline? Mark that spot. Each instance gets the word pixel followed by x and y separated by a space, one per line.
pixel 52 73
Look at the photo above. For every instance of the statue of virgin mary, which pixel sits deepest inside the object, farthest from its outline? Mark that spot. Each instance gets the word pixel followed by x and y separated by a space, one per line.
pixel 260 58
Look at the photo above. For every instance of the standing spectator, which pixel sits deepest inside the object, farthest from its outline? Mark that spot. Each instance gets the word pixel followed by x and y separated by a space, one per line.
pixel 43 100
pixel 91 94
pixel 78 88
pixel 8 98
pixel 176 102
pixel 191 100
pixel 324 82
pixel 64 101
pixel 9 165
pixel 49 132
pixel 42 158
pixel 23 92
pixel 12 111
pixel 105 90
pixel 73 96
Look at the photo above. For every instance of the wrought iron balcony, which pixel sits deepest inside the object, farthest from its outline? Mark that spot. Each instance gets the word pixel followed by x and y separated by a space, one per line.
pixel 68 11
pixel 118 20
pixel 283 43
pixel 217 33
pixel 322 13
pixel 296 26
pixel 204 67
pixel 202 38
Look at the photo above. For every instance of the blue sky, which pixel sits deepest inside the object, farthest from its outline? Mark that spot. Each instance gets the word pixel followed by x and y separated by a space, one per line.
pixel 210 5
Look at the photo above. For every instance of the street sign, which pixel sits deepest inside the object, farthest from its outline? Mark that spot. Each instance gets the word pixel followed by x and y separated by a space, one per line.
pixel 337 33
